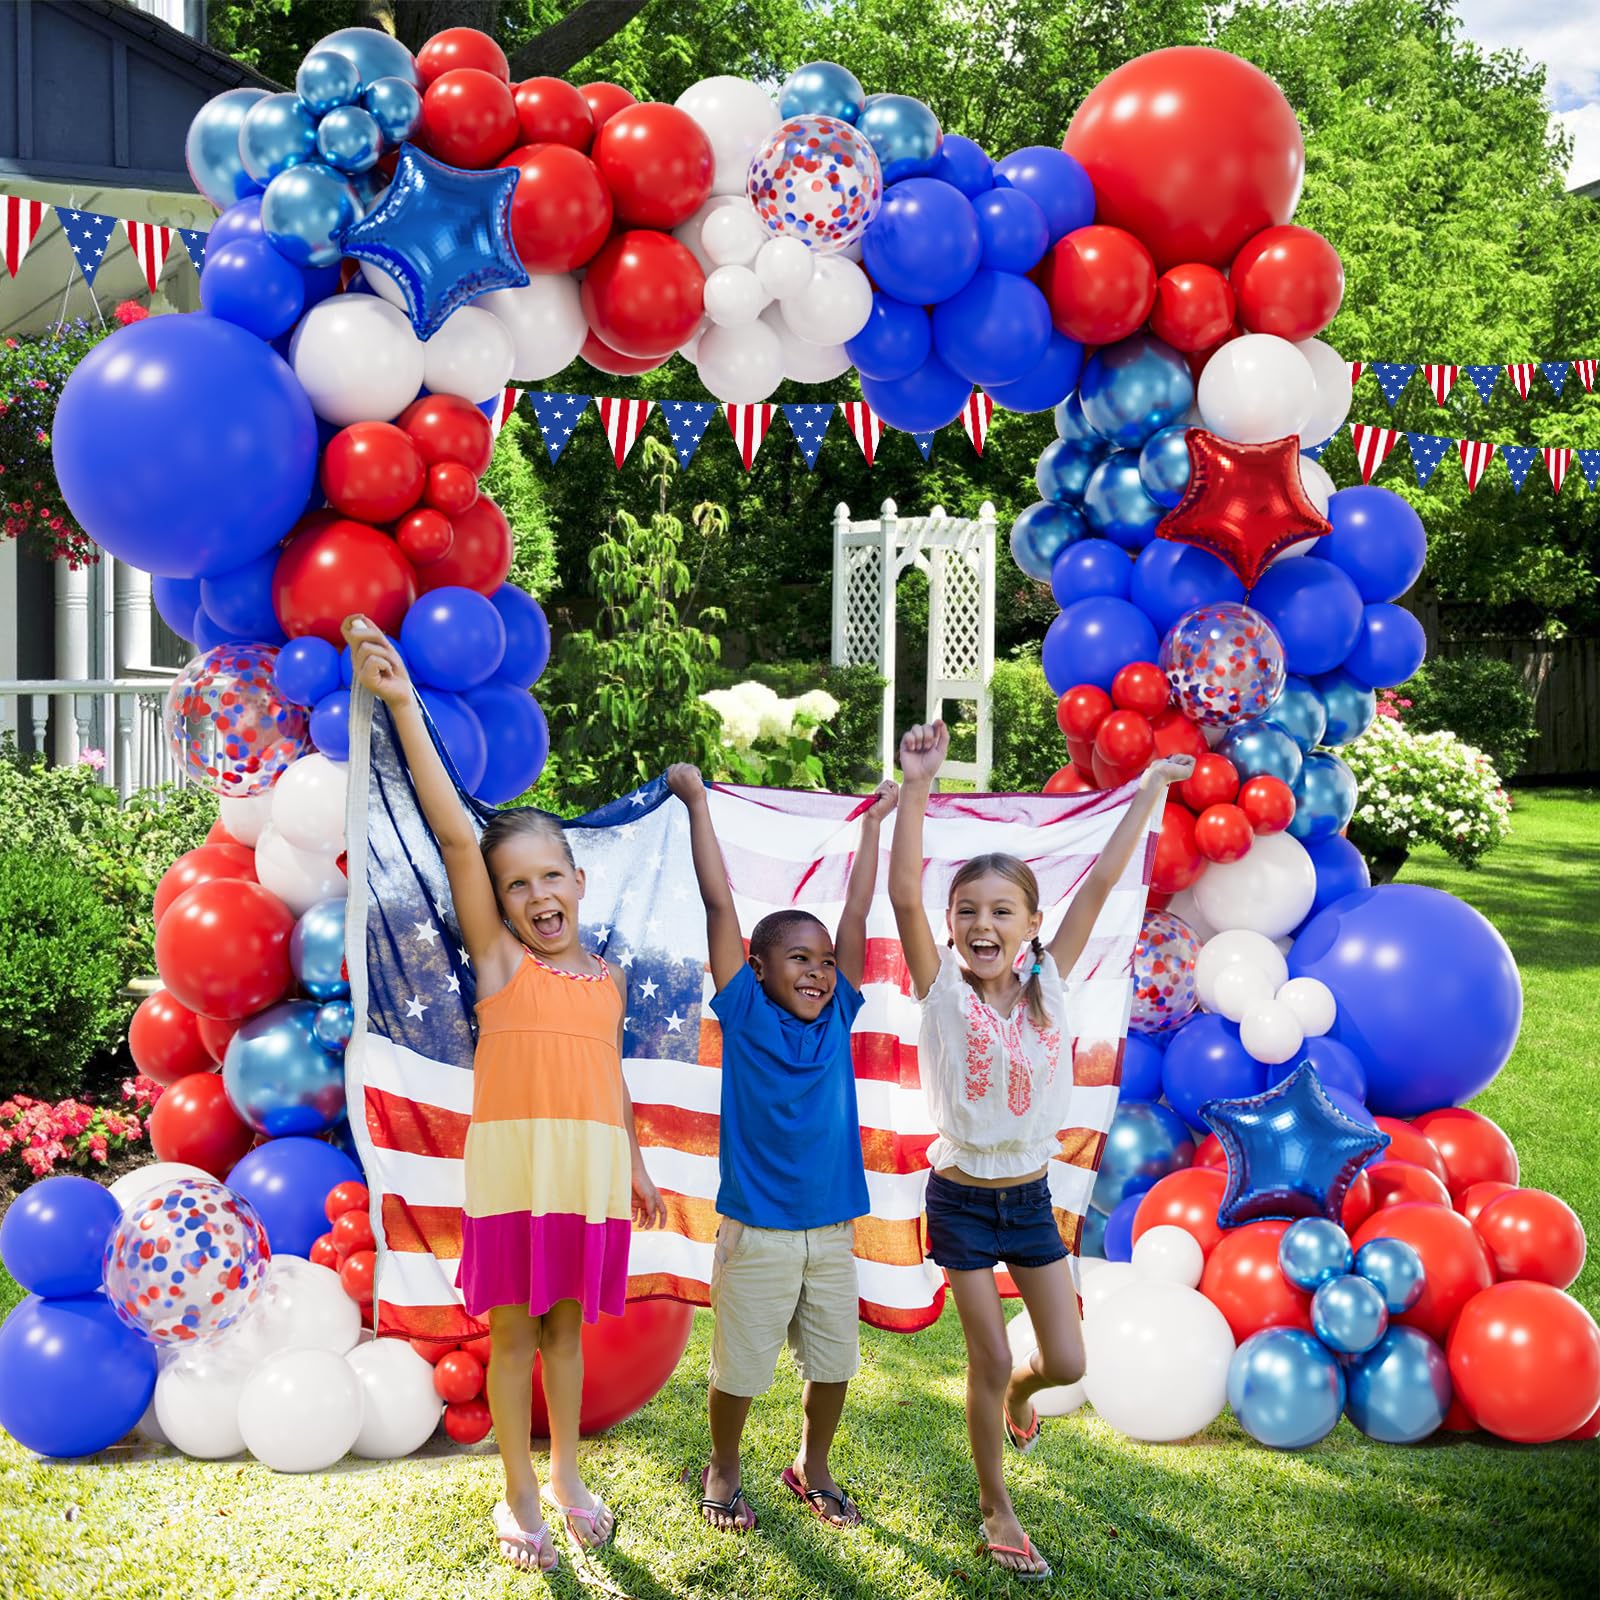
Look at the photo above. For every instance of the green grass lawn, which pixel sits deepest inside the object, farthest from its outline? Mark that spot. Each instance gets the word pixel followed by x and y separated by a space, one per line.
pixel 1219 1517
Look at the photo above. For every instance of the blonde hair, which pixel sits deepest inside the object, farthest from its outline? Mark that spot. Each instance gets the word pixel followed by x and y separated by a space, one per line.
pixel 1020 875
pixel 519 821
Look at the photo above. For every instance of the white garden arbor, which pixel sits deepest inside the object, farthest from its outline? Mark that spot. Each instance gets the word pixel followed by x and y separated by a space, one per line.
pixel 957 553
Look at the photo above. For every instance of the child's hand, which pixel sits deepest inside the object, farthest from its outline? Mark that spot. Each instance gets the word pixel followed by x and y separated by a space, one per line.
pixel 1169 770
pixel 649 1209
pixel 888 797
pixel 375 663
pixel 922 751
pixel 685 781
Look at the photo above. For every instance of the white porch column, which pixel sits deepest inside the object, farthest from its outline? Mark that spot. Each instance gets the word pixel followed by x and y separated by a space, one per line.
pixel 72 656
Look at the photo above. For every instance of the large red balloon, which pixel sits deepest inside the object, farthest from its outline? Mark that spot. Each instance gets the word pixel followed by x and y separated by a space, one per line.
pixel 1191 150
pixel 201 865
pixel 444 427
pixel 1407 1143
pixel 605 100
pixel 626 1360
pixel 603 358
pixel 468 118
pixel 458 1377
pixel 331 569
pixel 479 556
pixel 560 210
pixel 461 47
pixel 1101 284
pixel 1141 686
pixel 1472 1148
pixel 223 948
pixel 424 536
pixel 467 1421
pixel 1124 739
pixel 552 111
pixel 164 1039
pixel 1188 1199
pixel 644 294
pixel 1472 1200
pixel 1525 1361
pixel 1288 281
pixel 1357 1205
pixel 1397 1183
pixel 371 471
pixel 1454 1263
pixel 657 163
pixel 193 1122
pixel 1532 1234
pixel 1245 1283
pixel 1067 780
pixel 1194 307
pixel 1178 860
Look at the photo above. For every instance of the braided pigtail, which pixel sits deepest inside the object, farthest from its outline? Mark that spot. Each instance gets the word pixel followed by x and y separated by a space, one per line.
pixel 1033 989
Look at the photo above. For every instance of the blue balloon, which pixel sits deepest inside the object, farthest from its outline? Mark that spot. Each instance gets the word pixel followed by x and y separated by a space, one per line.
pixel 1050 381
pixel 335 1022
pixel 1341 869
pixel 330 725
pixel 209 633
pixel 316 951
pixel 1377 539
pixel 153 455
pixel 995 330
pixel 287 1181
pixel 517 737
pixel 1395 1270
pixel 177 600
pixel 1164 467
pixel 1117 1239
pixel 211 149
pixel 923 245
pixel 1013 228
pixel 239 221
pixel 53 1238
pixel 1400 1390
pixel 1299 712
pixel 249 283
pixel 1258 749
pixel 277 133
pixel 349 140
pixel 1145 1142
pixel 1141 1067
pixel 1071 422
pixel 1093 640
pixel 306 211
pixel 325 79
pixel 1055 183
pixel 822 89
pixel 897 339
pixel 1313 608
pixel 1314 1251
pixel 1092 1236
pixel 459 733
pixel 453 638
pixel 306 670
pixel 241 598
pixel 375 53
pixel 395 106
pixel 922 402
pixel 74 1378
pixel 1206 1061
pixel 1336 1067
pixel 1133 389
pixel 527 636
pixel 905 134
pixel 279 1078
pixel 1171 580
pixel 964 166
pixel 1285 1389
pixel 1324 797
pixel 1348 1315
pixel 1353 1109
pixel 1065 466
pixel 1348 706
pixel 1041 533
pixel 1389 648
pixel 1088 568
pixel 1116 504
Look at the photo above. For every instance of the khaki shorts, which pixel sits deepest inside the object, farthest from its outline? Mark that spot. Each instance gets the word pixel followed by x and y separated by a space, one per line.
pixel 769 1284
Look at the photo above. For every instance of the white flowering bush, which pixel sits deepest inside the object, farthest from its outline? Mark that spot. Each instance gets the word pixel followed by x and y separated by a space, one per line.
pixel 768 739
pixel 1424 788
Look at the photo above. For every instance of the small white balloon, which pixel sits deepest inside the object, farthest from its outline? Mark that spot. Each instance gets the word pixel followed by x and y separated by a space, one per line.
pixel 308 803
pixel 740 366
pixel 784 266
pixel 301 1410
pixel 1238 989
pixel 834 306
pixel 734 297
pixel 1271 1033
pixel 732 235
pixel 1312 1002
pixel 804 362
pixel 382 284
pixel 1058 1401
pixel 299 878
pixel 1255 389
pixel 244 816
pixel 472 355
pixel 400 1408
pixel 1242 947
pixel 132 1186
pixel 1331 378
pixel 546 323
pixel 688 233
pixel 1104 1285
pixel 1169 1255
pixel 1268 892
pixel 1319 488
pixel 736 116
pixel 357 359
pixel 197 1404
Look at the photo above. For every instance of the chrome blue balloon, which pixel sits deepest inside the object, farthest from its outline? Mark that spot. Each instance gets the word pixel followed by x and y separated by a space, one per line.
pixel 822 89
pixel 1299 712
pixel 1117 506
pixel 211 150
pixel 326 79
pixel 306 211
pixel 1348 1315
pixel 444 235
pixel 316 951
pixel 278 1076
pixel 1285 1389
pixel 277 133
pixel 1313 1251
pixel 1258 749
pixel 1349 706
pixel 1395 1269
pixel 1070 420
pixel 1400 1390
pixel 1041 533
pixel 1324 797
pixel 335 1022
pixel 1145 1143
pixel 375 53
pixel 1064 467
pixel 904 132
pixel 396 107
pixel 1164 465
pixel 1134 388
pixel 349 139
pixel 1092 1238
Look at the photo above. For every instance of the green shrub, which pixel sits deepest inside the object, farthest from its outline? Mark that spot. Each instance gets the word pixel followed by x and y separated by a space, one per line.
pixel 512 482
pixel 1482 700
pixel 1028 746
pixel 60 973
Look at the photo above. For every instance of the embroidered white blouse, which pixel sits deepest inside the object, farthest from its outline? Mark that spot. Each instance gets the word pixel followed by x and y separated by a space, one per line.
pixel 997 1087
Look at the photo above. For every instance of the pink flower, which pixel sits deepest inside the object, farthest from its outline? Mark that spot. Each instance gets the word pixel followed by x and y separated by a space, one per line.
pixel 130 311
pixel 93 759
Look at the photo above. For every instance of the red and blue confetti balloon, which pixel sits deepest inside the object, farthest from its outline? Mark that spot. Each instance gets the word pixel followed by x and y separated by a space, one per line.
pixel 1224 662
pixel 230 728
pixel 186 1262
pixel 817 180
pixel 1163 973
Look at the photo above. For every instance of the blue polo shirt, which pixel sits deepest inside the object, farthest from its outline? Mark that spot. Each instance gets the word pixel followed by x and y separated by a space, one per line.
pixel 790 1144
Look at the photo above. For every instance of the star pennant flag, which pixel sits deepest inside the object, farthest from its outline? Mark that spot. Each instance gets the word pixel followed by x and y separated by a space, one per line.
pixel 1518 459
pixel 508 404
pixel 1521 375
pixel 195 243
pixel 19 221
pixel 1427 451
pixel 1557 462
pixel 1483 380
pixel 1372 447
pixel 866 425
pixel 924 443
pixel 748 425
pixel 1585 371
pixel 1355 369
pixel 1555 374
pixel 686 425
pixel 1589 463
pixel 809 425
pixel 976 416
pixel 1475 456
pixel 1392 378
pixel 1315 450
pixel 558 415
pixel 623 421
pixel 1441 380
pixel 89 234
pixel 150 242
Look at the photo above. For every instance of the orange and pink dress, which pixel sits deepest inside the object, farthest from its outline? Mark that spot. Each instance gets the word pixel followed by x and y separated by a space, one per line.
pixel 548 1165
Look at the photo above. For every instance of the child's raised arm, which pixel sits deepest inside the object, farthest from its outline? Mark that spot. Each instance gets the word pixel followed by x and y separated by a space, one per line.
pixel 850 944
pixel 723 940
pixel 922 752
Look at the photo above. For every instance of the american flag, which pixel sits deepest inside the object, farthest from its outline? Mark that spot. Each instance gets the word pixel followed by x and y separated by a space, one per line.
pixel 194 241
pixel 19 221
pixel 1372 447
pixel 866 425
pixel 1585 371
pixel 1557 462
pixel 89 233
pixel 1441 379
pixel 1393 376
pixel 508 403
pixel 623 421
pixel 809 425
pixel 1518 459
pixel 408 1075
pixel 1483 378
pixel 558 415
pixel 686 425
pixel 748 425
pixel 150 242
pixel 976 416
pixel 1475 457
pixel 1521 375
pixel 1427 451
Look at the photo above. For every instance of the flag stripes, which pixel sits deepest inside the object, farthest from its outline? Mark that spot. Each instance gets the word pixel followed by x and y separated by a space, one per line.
pixel 976 416
pixel 749 425
pixel 19 222
pixel 1372 447
pixel 865 426
pixel 623 421
pixel 150 242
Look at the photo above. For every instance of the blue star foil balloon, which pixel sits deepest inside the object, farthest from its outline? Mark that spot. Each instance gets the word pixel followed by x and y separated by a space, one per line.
pixel 1291 1151
pixel 443 234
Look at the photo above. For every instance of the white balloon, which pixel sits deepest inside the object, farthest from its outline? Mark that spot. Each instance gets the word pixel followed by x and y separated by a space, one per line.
pixel 299 878
pixel 244 816
pixel 400 1407
pixel 1255 389
pixel 1333 391
pixel 1104 1284
pixel 1222 950
pixel 135 1185
pixel 197 1404
pixel 688 233
pixel 300 1410
pixel 472 355
pixel 148 1427
pixel 740 365
pixel 308 803
pixel 381 283
pixel 733 235
pixel 1182 906
pixel 1319 488
pixel 834 306
pixel 357 359
pixel 1271 1033
pixel 306 1308
pixel 1062 1399
pixel 1269 891
pixel 1238 989
pixel 804 362
pixel 784 266
pixel 546 323
pixel 690 348
pixel 1312 1003
pixel 1169 1255
pixel 736 116
pixel 734 297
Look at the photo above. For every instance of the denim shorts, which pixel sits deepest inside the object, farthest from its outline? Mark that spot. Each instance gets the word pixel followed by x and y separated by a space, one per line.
pixel 972 1229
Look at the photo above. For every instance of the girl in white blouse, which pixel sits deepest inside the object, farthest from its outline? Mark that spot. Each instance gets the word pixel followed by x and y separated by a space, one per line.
pixel 993 1065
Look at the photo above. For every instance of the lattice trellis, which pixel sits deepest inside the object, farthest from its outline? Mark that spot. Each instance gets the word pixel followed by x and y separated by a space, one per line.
pixel 957 553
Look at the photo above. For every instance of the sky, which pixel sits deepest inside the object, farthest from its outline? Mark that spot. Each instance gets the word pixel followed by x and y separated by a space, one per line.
pixel 1565 36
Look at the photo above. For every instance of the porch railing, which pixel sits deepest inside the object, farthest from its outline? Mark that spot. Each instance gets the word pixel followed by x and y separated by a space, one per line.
pixel 118 717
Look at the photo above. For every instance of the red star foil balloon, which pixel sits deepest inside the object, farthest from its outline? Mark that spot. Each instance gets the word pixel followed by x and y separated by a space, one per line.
pixel 1245 503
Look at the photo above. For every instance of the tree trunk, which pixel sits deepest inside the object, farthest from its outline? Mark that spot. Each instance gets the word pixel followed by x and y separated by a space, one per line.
pixel 1385 864
pixel 585 28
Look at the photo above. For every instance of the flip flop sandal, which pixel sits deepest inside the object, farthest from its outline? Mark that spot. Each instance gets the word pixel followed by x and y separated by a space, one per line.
pixel 849 1512
pixel 594 1542
pixel 1026 1551
pixel 507 1530
pixel 735 1506
pixel 1021 1439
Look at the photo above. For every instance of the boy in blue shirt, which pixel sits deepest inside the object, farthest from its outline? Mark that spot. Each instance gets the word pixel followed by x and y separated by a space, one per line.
pixel 792 1180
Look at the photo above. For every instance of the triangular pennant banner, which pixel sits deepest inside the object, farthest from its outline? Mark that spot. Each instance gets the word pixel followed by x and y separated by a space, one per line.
pixel 809 425
pixel 1521 375
pixel 89 234
pixel 623 421
pixel 865 425
pixel 1483 380
pixel 1585 371
pixel 1427 451
pixel 1475 456
pixel 558 415
pixel 502 412
pixel 924 443
pixel 1518 459
pixel 1589 463
pixel 686 425
pixel 1557 462
pixel 150 242
pixel 1392 378
pixel 1355 369
pixel 1441 380
pixel 1315 450
pixel 976 416
pixel 1555 374
pixel 195 243
pixel 19 221
pixel 1372 446
pixel 748 425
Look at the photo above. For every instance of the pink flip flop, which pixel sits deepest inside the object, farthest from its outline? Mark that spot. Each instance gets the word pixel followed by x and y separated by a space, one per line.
pixel 849 1513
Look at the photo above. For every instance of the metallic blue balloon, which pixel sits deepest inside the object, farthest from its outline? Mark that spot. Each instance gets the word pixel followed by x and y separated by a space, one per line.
pixel 1071 422
pixel 1134 388
pixel 1349 704
pixel 1400 1390
pixel 326 79
pixel 375 53
pixel 211 150
pixel 316 951
pixel 1164 465
pixel 1395 1269
pixel 1146 1142
pixel 335 1022
pixel 904 132
pixel 1041 533
pixel 349 139
pixel 277 133
pixel 1092 1237
pixel 1257 748
pixel 822 89
pixel 1285 1389
pixel 1348 1315
pixel 278 1076
pixel 1324 797
pixel 1313 1251
pixel 1116 504
pixel 396 107
pixel 306 210
pixel 1299 712
pixel 1063 471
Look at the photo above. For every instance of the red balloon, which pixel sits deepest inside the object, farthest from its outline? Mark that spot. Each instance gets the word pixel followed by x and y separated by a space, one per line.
pixel 1176 735
pixel 1357 1205
pixel 457 1377
pixel 657 163
pixel 1268 802
pixel 1525 1361
pixel 626 1360
pixel 424 536
pixel 1190 149
pixel 1586 1430
pixel 1067 780
pixel 215 1032
pixel 1124 739
pixel 193 1122
pixel 468 118
pixel 1080 752
pixel 1458 1419
pixel 603 358
pixel 479 1349
pixel 444 427
pixel 1211 1154
pixel 1081 710
pixel 1244 1282
pixel 217 834
pixel 201 865
pixel 1223 833
pixel 330 569
pixel 1214 782
pixel 644 294
pixel 164 1039
pixel 433 1350
pixel 1101 284
pixel 323 1253
pixel 343 1197
pixel 1408 1143
pixel 480 553
pixel 352 1231
pixel 1288 282
pixel 1197 360
pixel 371 471
pixel 1194 307
pixel 1396 1183
pixel 604 101
pixel 1109 774
pixel 356 1274
pixel 1532 1234
pixel 560 209
pixel 1189 1200
pixel 1471 1201
pixel 1455 1265
pixel 223 948
pixel 552 111
pixel 451 488
pixel 1141 686
pixel 1473 1149
pixel 468 1421
pixel 1178 860
pixel 461 47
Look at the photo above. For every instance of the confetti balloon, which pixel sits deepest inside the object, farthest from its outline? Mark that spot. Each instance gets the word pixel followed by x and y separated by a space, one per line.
pixel 1163 973
pixel 186 1261
pixel 230 728
pixel 1224 662
pixel 817 180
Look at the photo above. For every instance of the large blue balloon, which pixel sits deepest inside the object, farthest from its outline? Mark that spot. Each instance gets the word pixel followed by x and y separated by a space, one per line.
pixel 375 53
pixel 1041 533
pixel 1145 1142
pixel 822 89
pixel 905 134
pixel 517 738
pixel 1133 389
pixel 1299 712
pixel 453 638
pixel 1285 1389
pixel 1065 466
pixel 459 732
pixel 1117 1238
pixel 1206 1061
pixel 250 283
pixel 1055 183
pixel 306 670
pixel 240 221
pixel 1428 994
pixel 993 331
pixel 1389 648
pixel 1170 580
pixel 1341 869
pixel 212 147
pixel 277 133
pixel 177 600
pixel 1336 1067
pixel 279 1078
pixel 316 951
pixel 1116 504
pixel 1400 1390
pixel 1048 384
pixel 1348 706
pixel 1014 230
pixel 1313 608
pixel 1324 797
pixel 1141 1067
pixel 184 446
pixel 527 636
pixel 306 213
pixel 1165 469
pixel 1088 568
pixel 241 598
pixel 287 1181
pixel 964 166
pixel 924 243
pixel 929 399
pixel 1377 539
pixel 208 633
pixel 897 339
pixel 1093 640
pixel 54 1235
pixel 1258 750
